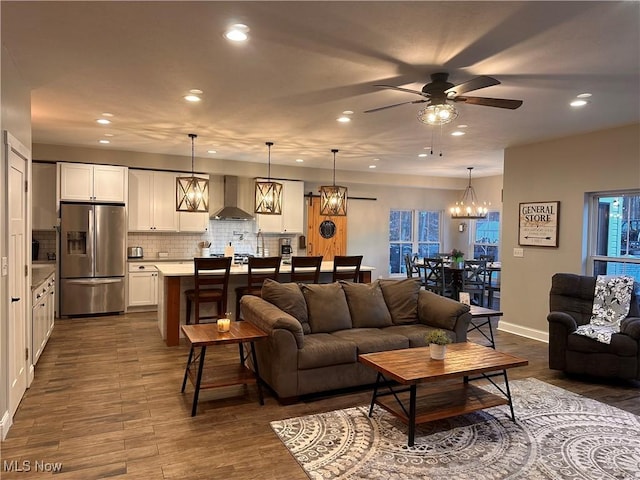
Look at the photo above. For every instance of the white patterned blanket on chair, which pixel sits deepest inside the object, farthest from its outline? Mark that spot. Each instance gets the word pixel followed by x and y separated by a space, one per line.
pixel 611 303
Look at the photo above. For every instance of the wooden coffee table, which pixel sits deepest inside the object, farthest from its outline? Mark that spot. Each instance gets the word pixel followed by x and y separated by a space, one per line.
pixel 401 371
pixel 204 335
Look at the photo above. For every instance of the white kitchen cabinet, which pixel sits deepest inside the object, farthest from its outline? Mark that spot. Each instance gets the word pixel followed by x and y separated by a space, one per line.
pixel 43 314
pixel 152 203
pixel 44 196
pixel 292 218
pixel 143 285
pixel 81 182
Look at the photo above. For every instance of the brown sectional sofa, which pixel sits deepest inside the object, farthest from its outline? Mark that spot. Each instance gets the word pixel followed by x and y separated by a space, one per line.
pixel 316 332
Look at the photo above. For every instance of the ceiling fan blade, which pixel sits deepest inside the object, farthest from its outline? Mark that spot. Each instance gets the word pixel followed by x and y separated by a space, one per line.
pixel 391 106
pixel 476 83
pixel 490 102
pixel 408 90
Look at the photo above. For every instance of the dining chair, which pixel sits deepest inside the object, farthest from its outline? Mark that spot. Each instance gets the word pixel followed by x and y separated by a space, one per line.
pixel 306 269
pixel 410 265
pixel 474 280
pixel 258 270
pixel 211 282
pixel 346 267
pixel 435 278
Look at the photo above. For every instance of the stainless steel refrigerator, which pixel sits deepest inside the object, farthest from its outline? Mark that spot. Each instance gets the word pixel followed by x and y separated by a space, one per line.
pixel 92 258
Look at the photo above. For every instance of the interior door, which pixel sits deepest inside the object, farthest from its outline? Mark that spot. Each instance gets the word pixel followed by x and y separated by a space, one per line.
pixel 20 304
pixel 326 236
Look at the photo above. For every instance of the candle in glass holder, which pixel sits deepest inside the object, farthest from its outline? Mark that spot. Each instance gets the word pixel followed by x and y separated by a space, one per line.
pixel 223 324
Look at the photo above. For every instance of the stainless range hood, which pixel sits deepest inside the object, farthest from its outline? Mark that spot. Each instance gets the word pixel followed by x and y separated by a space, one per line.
pixel 230 211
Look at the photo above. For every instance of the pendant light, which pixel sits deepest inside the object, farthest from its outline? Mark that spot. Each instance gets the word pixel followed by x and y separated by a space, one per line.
pixel 468 207
pixel 268 194
pixel 192 193
pixel 333 198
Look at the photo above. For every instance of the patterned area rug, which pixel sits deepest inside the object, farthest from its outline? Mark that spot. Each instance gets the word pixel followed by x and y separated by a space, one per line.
pixel 557 435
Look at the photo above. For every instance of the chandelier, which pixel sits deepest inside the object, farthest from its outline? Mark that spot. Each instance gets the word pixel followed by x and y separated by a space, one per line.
pixel 268 194
pixel 437 114
pixel 333 198
pixel 468 207
pixel 192 193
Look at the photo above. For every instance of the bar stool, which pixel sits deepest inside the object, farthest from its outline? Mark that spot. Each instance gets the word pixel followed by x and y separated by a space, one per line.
pixel 211 279
pixel 306 269
pixel 346 267
pixel 258 270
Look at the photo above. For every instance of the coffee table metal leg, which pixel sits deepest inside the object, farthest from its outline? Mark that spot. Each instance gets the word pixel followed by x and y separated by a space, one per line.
pixel 375 393
pixel 412 415
pixel 256 372
pixel 506 384
pixel 186 370
pixel 198 382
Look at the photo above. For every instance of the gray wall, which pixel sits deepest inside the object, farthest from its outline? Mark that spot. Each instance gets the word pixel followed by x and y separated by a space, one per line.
pixel 15 104
pixel 565 170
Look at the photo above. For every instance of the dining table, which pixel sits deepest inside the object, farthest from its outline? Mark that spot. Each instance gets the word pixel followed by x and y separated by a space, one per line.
pixel 176 277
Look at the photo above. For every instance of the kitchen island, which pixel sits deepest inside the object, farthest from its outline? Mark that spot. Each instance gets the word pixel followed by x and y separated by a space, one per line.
pixel 175 278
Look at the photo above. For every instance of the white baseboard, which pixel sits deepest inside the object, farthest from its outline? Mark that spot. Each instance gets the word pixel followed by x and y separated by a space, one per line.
pixel 524 331
pixel 5 425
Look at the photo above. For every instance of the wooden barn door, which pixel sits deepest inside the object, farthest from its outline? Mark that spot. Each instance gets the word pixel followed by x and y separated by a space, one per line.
pixel 326 245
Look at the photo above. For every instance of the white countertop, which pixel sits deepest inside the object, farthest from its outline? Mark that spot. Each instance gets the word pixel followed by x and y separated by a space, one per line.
pixel 169 269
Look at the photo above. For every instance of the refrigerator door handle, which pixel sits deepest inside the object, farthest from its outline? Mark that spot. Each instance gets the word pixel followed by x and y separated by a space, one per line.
pixel 92 236
pixel 93 281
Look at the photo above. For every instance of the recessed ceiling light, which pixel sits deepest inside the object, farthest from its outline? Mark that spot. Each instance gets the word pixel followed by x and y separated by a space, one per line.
pixel 196 91
pixel 192 98
pixel 348 112
pixel 457 133
pixel 299 160
pixel 583 95
pixel 104 141
pixel 108 134
pixel 343 119
pixel 372 166
pixel 376 159
pixel 578 103
pixel 237 33
pixel 462 126
pixel 103 121
pixel 422 154
pixel 107 114
pixel 211 151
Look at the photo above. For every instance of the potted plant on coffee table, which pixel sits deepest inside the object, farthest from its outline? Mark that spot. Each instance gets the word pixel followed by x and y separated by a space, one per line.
pixel 437 340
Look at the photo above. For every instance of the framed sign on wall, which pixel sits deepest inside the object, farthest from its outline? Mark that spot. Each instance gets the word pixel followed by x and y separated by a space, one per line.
pixel 538 224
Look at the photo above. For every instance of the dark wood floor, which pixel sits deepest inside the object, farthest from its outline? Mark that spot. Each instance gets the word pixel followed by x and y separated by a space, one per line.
pixel 106 402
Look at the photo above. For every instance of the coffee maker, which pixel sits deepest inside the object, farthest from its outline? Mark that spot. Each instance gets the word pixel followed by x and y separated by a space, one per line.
pixel 285 250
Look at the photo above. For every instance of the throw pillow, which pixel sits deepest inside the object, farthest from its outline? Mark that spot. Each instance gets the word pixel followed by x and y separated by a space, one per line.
pixel 401 297
pixel 288 298
pixel 327 307
pixel 366 305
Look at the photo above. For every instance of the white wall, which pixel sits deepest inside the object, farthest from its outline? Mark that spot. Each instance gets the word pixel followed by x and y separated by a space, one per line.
pixel 565 170
pixel 15 104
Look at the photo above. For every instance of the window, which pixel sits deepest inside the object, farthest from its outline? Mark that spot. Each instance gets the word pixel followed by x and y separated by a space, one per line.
pixel 614 240
pixel 412 232
pixel 486 238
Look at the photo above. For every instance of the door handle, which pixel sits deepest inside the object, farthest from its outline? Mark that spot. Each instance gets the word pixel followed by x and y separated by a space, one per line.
pixel 15 299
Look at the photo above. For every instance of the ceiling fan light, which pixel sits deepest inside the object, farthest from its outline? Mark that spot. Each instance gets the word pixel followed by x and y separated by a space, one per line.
pixel 437 114
pixel 192 193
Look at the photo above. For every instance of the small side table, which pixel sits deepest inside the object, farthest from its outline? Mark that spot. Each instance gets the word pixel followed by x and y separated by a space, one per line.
pixel 204 335
pixel 480 317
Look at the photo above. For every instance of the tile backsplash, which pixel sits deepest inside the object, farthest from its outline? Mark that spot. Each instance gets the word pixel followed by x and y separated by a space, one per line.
pixel 241 234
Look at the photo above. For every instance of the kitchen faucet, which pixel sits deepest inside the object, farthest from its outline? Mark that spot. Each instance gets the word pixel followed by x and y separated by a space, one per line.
pixel 260 246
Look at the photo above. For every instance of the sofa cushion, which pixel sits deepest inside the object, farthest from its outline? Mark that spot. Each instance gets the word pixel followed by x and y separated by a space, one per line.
pixel 416 333
pixel 369 340
pixel 327 307
pixel 366 305
pixel 621 345
pixel 401 297
pixel 288 298
pixel 324 350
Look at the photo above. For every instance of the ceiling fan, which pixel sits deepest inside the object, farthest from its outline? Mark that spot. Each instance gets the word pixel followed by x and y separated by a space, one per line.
pixel 440 91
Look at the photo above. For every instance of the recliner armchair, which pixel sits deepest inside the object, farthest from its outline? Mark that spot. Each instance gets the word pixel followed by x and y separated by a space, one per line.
pixel 570 305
